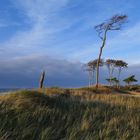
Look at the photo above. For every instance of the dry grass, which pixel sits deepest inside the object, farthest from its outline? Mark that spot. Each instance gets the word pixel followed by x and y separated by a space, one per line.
pixel 69 114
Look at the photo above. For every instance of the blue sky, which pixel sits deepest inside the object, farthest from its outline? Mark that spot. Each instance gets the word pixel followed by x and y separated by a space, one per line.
pixel 56 34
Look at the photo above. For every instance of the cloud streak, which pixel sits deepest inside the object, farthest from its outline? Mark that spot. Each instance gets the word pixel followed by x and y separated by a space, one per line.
pixel 38 13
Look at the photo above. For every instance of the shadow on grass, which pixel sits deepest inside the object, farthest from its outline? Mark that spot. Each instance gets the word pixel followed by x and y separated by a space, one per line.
pixel 36 116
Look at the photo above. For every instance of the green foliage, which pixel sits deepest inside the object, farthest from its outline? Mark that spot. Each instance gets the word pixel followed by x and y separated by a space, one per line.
pixel 113 80
pixel 35 116
pixel 130 79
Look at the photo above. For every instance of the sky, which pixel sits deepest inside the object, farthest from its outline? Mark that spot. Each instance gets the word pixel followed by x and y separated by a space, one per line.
pixel 58 36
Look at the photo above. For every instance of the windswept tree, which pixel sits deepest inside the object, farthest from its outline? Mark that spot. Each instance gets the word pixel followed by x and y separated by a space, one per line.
pixel 110 63
pixel 90 67
pixel 114 23
pixel 130 80
pixel 120 64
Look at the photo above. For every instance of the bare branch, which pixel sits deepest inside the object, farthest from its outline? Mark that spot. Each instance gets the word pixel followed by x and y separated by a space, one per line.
pixel 114 23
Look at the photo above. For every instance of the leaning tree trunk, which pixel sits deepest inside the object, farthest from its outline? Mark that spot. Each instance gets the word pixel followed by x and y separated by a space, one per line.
pixel 41 81
pixel 119 76
pixel 89 79
pixel 111 76
pixel 109 71
pixel 99 59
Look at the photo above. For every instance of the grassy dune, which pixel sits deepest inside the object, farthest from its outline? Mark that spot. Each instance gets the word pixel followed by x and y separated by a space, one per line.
pixel 56 114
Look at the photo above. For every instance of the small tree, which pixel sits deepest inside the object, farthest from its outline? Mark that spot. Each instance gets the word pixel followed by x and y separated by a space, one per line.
pixel 130 80
pixel 110 63
pixel 114 23
pixel 41 81
pixel 90 74
pixel 120 65
pixel 114 81
pixel 90 67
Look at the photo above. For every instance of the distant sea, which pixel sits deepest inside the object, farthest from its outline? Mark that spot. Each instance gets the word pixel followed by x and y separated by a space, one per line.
pixel 7 90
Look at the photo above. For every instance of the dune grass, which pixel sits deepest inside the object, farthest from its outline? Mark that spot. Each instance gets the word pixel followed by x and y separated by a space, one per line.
pixel 68 114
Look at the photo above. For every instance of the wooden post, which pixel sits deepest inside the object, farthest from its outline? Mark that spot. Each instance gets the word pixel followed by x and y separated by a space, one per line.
pixel 41 81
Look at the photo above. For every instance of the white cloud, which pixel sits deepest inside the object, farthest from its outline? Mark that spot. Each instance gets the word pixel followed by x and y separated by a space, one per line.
pixel 42 16
pixel 45 23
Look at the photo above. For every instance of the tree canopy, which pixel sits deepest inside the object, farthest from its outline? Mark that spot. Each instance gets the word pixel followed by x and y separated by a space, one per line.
pixel 130 79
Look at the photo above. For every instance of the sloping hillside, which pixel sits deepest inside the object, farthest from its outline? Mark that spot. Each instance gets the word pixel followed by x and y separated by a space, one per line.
pixel 30 115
